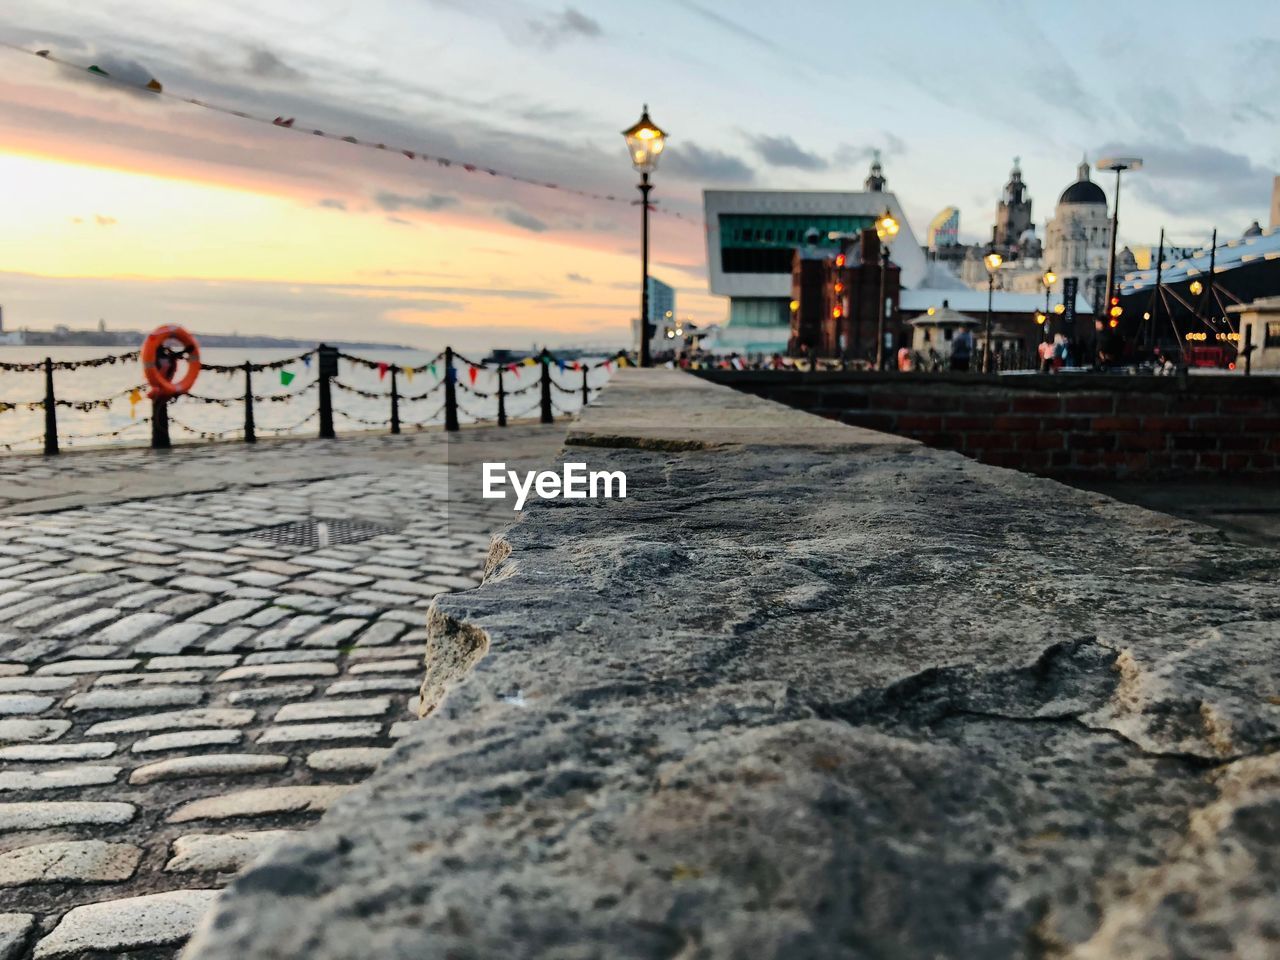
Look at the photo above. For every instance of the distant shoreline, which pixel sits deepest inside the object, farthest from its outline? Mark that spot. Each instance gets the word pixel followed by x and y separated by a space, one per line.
pixel 132 339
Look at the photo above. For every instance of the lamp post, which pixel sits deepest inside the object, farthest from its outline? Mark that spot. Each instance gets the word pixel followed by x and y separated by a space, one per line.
pixel 1049 279
pixel 644 143
pixel 886 230
pixel 993 261
pixel 1119 165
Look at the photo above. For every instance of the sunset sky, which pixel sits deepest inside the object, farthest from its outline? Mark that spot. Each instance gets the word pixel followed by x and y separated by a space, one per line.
pixel 137 209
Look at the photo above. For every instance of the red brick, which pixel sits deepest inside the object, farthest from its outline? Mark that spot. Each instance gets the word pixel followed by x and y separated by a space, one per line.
pixel 1090 441
pixel 1198 405
pixel 872 421
pixel 1262 461
pixel 1242 442
pixel 1088 403
pixel 1041 440
pixel 1235 461
pixel 1116 423
pixel 1141 441
pixel 930 402
pixel 1216 425
pixel 987 441
pixel 1261 424
pixel 988 405
pixel 1141 405
pixel 1166 423
pixel 953 422
pixel 1194 441
pixel 1209 461
pixel 917 423
pixel 1036 404
pixel 1015 423
pixel 1242 405
pixel 1086 458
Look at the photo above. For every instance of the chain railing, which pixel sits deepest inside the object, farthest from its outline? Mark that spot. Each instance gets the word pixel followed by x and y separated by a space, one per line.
pixel 453 373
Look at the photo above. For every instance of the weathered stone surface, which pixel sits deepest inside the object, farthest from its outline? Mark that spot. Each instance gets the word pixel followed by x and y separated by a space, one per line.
pixel 272 671
pixel 57 778
pixel 32 731
pixel 134 698
pixel 210 765
pixel 185 739
pixel 342 759
pixel 812 691
pixel 60 813
pixel 15 928
pixel 174 720
pixel 300 732
pixel 221 852
pixel 69 861
pixel 18 704
pixel 116 925
pixel 281 691
pixel 52 752
pixel 259 803
pixel 333 709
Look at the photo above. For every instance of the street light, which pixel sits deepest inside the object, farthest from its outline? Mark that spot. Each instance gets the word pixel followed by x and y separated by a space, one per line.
pixel 886 230
pixel 645 141
pixel 1196 288
pixel 1119 165
pixel 1049 279
pixel 993 261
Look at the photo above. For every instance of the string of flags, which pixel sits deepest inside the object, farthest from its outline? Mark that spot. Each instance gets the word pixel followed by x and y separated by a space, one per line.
pixel 291 123
pixel 37 365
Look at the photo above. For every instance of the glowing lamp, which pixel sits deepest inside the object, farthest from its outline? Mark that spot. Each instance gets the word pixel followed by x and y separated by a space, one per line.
pixel 993 261
pixel 645 141
pixel 1197 288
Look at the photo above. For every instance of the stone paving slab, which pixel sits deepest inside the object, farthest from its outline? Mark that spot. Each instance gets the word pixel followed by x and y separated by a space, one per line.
pixel 166 704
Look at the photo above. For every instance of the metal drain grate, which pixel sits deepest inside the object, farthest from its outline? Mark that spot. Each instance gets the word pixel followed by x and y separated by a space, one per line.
pixel 315 532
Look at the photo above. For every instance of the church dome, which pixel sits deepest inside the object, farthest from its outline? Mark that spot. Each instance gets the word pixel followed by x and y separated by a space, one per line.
pixel 1083 191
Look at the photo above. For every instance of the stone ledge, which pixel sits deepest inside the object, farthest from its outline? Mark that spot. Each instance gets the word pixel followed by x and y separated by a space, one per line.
pixel 811 691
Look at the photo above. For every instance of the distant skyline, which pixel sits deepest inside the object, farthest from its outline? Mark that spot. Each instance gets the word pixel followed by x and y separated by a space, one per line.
pixel 135 209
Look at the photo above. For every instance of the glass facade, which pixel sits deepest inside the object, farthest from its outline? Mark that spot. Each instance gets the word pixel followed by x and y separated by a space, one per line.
pixel 763 242
pixel 759 312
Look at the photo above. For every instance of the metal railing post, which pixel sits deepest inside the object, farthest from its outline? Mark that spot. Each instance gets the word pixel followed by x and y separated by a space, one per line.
pixel 545 358
pixel 50 410
pixel 250 435
pixel 502 399
pixel 328 361
pixel 450 392
pixel 586 390
pixel 395 402
pixel 160 424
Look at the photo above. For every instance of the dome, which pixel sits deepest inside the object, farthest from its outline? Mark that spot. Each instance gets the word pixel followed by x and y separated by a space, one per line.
pixel 1083 191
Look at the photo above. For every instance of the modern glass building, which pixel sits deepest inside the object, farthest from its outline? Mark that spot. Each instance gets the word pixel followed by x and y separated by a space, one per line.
pixel 752 236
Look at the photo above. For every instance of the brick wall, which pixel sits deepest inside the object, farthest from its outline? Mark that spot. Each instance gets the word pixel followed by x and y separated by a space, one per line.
pixel 1057 426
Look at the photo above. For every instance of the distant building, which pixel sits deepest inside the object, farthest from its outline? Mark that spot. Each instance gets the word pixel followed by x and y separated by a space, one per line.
pixel 1275 204
pixel 1259 325
pixel 1013 219
pixel 752 236
pixel 662 302
pixel 944 230
pixel 1078 238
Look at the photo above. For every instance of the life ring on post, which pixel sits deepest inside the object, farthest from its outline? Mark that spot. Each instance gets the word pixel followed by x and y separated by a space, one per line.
pixel 160 354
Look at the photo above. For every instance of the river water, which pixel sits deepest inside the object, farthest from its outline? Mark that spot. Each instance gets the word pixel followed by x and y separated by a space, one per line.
pixel 291 411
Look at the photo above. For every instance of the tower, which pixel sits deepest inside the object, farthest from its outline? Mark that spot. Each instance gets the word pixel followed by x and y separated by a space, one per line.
pixel 875 180
pixel 1013 212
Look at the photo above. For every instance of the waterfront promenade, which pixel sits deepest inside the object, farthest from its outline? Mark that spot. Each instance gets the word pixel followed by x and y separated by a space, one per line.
pixel 184 680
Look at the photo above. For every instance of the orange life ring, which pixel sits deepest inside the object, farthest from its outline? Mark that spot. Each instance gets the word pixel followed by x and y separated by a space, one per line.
pixel 159 361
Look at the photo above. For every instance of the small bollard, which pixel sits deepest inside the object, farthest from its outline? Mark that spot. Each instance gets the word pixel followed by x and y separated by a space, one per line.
pixel 250 434
pixel 545 404
pixel 395 402
pixel 328 357
pixel 160 424
pixel 586 390
pixel 502 399
pixel 450 392
pixel 50 410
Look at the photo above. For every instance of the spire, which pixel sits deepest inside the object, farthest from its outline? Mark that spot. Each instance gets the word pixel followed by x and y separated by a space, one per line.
pixel 875 181
pixel 1082 171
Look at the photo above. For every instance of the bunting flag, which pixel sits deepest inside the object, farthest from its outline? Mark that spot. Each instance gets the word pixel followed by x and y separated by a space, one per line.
pixel 286 377
pixel 608 365
pixel 290 123
pixel 512 368
pixel 408 374
pixel 471 372
pixel 431 368
pixel 560 364
pixel 575 365
pixel 306 361
pixel 382 370
pixel 530 362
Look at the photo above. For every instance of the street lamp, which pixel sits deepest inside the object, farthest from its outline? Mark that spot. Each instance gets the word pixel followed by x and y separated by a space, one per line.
pixel 1049 279
pixel 886 230
pixel 645 141
pixel 993 261
pixel 1119 165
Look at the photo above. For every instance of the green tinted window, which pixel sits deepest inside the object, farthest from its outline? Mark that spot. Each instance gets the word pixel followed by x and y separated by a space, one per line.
pixel 771 231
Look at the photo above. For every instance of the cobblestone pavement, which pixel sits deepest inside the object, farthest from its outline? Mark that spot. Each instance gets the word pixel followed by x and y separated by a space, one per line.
pixel 179 690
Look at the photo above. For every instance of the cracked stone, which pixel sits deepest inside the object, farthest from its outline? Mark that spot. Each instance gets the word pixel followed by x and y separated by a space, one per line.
pixel 69 861
pixel 330 709
pixel 221 852
pixel 270 671
pixel 210 765
pixel 57 778
pixel 53 752
pixel 61 813
pixel 154 920
pixel 32 731
pixel 260 803
pixel 320 731
pixel 186 739
pixel 175 720
pixel 346 759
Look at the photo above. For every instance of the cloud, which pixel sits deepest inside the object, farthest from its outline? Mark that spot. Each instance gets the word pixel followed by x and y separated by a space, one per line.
pixel 102 221
pixel 261 62
pixel 398 201
pixel 331 203
pixel 701 163
pixel 400 220
pixel 568 24
pixel 785 152
pixel 517 217
pixel 577 278
pixel 1194 179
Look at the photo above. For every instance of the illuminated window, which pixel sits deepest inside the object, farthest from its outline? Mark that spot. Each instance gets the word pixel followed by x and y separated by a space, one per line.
pixel 1273 334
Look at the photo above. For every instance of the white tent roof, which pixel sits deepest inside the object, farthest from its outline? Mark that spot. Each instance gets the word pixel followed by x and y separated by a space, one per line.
pixel 1232 254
